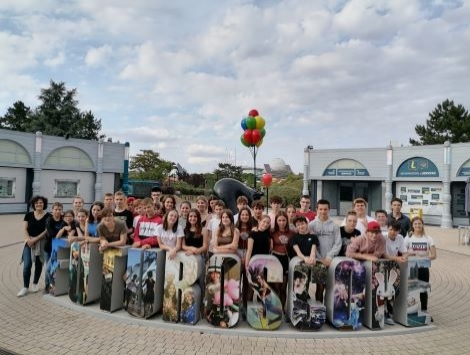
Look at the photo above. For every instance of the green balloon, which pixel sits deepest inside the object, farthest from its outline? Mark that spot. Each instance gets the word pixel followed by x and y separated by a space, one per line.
pixel 251 122
pixel 263 132
pixel 242 139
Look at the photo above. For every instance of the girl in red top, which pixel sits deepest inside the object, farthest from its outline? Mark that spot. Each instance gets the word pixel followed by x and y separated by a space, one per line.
pixel 281 237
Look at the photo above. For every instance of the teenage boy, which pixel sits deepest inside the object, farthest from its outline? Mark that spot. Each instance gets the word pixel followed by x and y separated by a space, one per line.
pixel 395 249
pixel 242 201
pixel 77 205
pixel 348 231
pixel 360 206
pixel 257 208
pixel 399 217
pixel 108 200
pixel 369 246
pixel 156 194
pixel 121 213
pixel 329 237
pixel 304 243
pixel 55 226
pixel 276 204
pixel 305 209
pixel 381 218
pixel 145 235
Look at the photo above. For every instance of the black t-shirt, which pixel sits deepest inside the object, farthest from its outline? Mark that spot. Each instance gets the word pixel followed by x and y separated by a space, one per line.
pixel 346 239
pixel 193 240
pixel 126 217
pixel 305 242
pixel 37 226
pixel 261 242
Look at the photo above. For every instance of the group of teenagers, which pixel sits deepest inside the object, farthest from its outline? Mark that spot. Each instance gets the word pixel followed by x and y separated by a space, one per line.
pixel 210 228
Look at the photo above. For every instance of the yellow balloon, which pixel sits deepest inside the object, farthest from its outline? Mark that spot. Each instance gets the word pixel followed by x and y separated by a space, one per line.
pixel 258 144
pixel 260 122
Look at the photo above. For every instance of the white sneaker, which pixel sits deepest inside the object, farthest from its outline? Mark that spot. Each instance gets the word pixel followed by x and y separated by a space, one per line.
pixel 23 292
pixel 35 288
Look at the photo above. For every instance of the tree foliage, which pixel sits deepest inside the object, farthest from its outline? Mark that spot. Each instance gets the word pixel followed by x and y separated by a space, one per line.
pixel 57 115
pixel 148 165
pixel 446 122
pixel 226 170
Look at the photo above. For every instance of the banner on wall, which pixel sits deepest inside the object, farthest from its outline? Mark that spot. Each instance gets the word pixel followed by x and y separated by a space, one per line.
pixel 421 195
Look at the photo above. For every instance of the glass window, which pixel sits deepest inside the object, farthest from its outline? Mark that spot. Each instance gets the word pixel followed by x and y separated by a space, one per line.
pixel 7 187
pixel 66 188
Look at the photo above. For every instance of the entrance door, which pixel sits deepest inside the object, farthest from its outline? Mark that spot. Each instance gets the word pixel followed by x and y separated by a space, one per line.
pixel 345 197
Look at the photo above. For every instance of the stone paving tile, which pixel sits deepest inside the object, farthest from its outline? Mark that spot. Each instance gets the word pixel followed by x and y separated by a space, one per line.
pixel 34 325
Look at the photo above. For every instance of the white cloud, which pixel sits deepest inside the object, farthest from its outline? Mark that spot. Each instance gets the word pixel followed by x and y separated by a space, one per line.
pixel 178 78
pixel 98 56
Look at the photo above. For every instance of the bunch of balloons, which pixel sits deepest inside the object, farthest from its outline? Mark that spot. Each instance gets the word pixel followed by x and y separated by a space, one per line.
pixel 253 129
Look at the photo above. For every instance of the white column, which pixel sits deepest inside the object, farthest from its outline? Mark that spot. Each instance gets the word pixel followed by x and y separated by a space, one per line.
pixel 389 179
pixel 37 165
pixel 306 170
pixel 99 173
pixel 446 220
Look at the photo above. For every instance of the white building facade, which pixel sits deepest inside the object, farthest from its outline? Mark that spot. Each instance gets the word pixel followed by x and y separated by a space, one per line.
pixel 57 168
pixel 430 179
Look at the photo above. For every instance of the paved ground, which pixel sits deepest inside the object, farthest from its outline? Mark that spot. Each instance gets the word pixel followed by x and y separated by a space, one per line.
pixel 38 325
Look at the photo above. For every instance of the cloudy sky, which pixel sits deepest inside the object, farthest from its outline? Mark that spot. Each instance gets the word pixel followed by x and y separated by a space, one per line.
pixel 178 76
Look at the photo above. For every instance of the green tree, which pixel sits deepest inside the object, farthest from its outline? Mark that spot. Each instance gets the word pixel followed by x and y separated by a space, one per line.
pixel 57 115
pixel 17 118
pixel 148 165
pixel 226 170
pixel 446 122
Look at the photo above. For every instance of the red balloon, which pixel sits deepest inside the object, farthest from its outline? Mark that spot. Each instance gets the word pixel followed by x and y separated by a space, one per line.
pixel 267 179
pixel 253 113
pixel 248 135
pixel 256 136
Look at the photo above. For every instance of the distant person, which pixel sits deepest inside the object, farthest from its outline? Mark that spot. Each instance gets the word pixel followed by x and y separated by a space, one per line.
pixel 112 232
pixel 156 194
pixel 400 218
pixel 418 243
pixel 257 209
pixel 201 205
pixel 108 200
pixel 329 237
pixel 369 246
pixel 242 201
pixel 381 217
pixel 94 218
pixel 185 206
pixel 348 231
pixel 34 229
pixel 145 234
pixel 360 206
pixel 276 204
pixel 305 208
pixel 121 213
pixel 170 234
pixel 78 204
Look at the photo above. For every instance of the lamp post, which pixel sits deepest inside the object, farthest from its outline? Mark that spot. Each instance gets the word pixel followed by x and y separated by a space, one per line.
pixel 446 220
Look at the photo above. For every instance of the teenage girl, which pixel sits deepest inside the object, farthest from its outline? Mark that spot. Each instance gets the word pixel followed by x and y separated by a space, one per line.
pixel 420 244
pixel 226 236
pixel 94 218
pixel 281 237
pixel 195 240
pixel 170 234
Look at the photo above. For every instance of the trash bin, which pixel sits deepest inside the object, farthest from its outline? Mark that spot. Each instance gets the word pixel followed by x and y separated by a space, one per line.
pixel 416 212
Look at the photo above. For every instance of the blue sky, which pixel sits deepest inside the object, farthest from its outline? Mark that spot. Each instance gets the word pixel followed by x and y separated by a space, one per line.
pixel 178 78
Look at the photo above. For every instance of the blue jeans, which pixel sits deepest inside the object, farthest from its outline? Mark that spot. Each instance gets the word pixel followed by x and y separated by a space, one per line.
pixel 27 266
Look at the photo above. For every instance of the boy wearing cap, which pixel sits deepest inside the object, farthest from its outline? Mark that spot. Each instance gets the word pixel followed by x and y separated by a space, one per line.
pixel 369 246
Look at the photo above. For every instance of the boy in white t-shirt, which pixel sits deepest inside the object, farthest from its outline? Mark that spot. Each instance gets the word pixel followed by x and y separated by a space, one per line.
pixel 395 249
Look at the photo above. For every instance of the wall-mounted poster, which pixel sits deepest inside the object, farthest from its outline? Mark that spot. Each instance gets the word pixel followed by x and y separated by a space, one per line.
pixel 424 195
